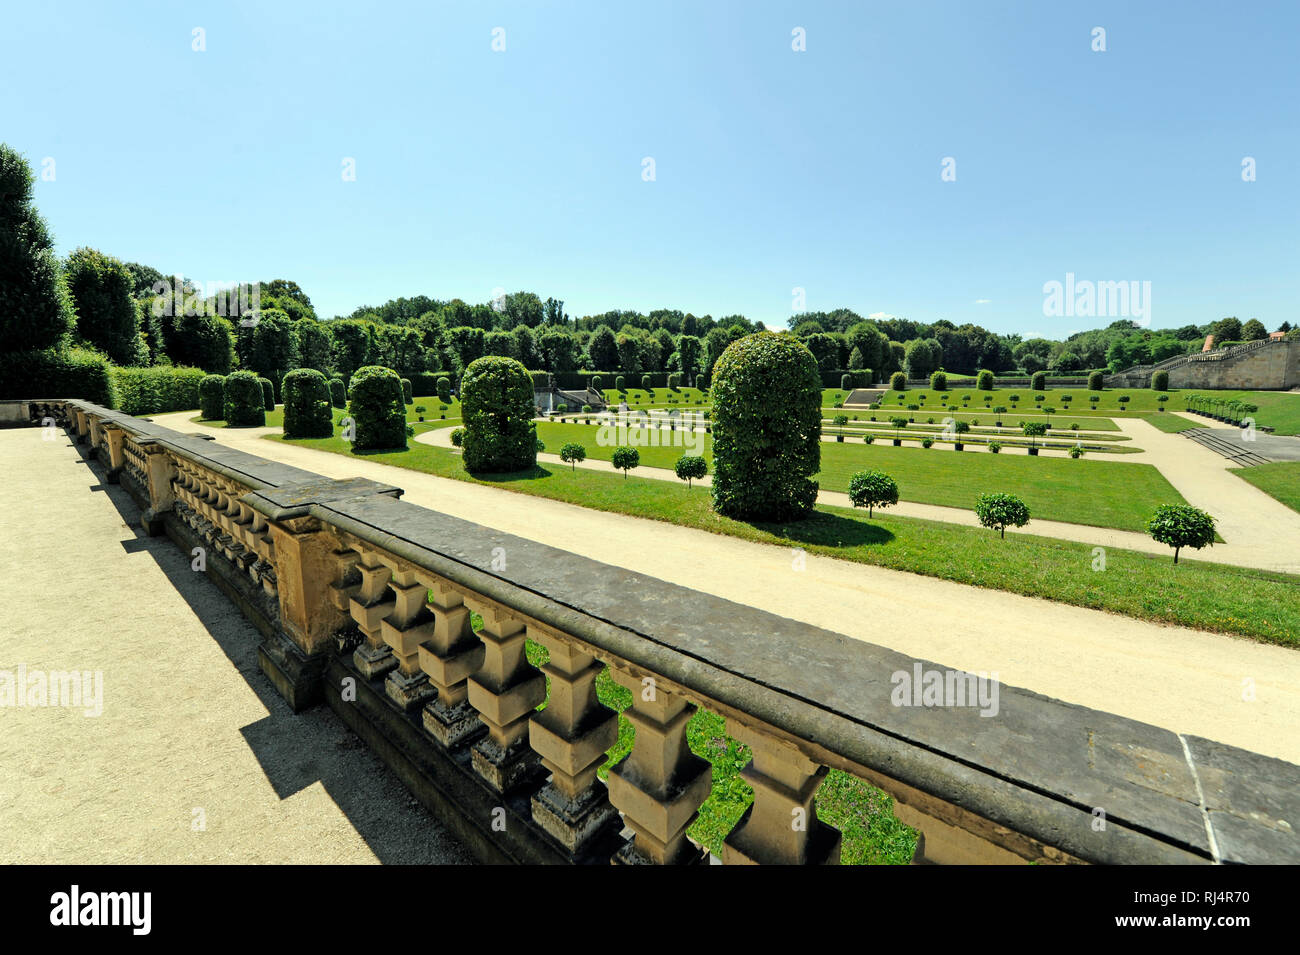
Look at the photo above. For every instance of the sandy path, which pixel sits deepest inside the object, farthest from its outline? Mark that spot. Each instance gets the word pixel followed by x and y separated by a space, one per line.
pixel 1182 679
pixel 1252 523
pixel 190 731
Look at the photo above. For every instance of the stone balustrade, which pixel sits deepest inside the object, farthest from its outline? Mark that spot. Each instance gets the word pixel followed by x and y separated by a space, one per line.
pixel 368 603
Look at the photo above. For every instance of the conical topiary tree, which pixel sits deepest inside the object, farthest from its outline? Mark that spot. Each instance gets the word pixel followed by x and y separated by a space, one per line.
pixel 35 308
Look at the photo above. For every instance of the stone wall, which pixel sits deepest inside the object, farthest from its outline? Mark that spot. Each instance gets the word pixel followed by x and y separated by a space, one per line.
pixel 1272 367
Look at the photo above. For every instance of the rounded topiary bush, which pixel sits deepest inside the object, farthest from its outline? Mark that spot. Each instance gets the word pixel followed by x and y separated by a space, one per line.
pixel 338 393
pixel 938 381
pixel 620 383
pixel 1160 381
pixel 675 380
pixel 984 380
pixel 376 408
pixel 898 381
pixel 268 394
pixel 1038 381
pixel 496 404
pixel 408 395
pixel 766 428
pixel 244 405
pixel 307 412
pixel 1095 381
pixel 212 399
pixel 846 382
pixel 444 390
pixel 458 437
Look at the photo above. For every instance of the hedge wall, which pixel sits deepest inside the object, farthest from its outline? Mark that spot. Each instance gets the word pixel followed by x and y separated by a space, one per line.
pixel 144 391
pixel 424 384
pixel 72 373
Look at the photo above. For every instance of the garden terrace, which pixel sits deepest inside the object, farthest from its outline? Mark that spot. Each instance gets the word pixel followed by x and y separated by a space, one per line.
pixel 356 591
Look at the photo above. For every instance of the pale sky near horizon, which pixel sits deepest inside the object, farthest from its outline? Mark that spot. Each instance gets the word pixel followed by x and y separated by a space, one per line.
pixel 774 169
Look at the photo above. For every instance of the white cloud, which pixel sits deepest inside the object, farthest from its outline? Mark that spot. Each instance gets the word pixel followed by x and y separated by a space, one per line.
pixel 982 301
pixel 881 315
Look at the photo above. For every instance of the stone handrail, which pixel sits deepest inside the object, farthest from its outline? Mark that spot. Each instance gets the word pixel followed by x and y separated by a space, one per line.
pixel 366 600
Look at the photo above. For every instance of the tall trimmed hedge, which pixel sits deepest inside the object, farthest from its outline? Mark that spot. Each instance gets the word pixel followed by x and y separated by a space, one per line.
pixel 898 381
pixel 408 395
pixel 846 382
pixel 244 405
pixel 1038 381
pixel 938 381
pixel 307 412
pixel 424 383
pixel 1160 380
pixel 444 390
pixel 57 373
pixel 1095 380
pixel 268 394
pixel 338 393
pixel 375 405
pixel 212 397
pixel 766 428
pixel 35 308
pixel 496 403
pixel 984 380
pixel 143 391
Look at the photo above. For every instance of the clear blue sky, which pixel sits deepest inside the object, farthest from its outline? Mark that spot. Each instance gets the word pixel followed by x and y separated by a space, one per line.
pixel 775 169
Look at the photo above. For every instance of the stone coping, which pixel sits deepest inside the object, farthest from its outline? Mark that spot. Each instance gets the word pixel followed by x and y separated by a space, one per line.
pixel 1040 767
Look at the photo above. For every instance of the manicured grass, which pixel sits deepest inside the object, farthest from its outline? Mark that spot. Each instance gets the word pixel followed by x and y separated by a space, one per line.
pixel 1011 419
pixel 1141 401
pixel 1215 597
pixel 655 398
pixel 1059 489
pixel 1280 480
pixel 1171 423
pixel 432 411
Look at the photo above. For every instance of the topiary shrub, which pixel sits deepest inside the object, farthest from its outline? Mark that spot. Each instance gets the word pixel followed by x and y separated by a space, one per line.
pixel 408 392
pixel 572 453
pixel 846 382
pixel 767 428
pixel 1038 381
pixel 1076 451
pixel 268 394
pixel 1160 380
pixel 984 380
pixel 1181 525
pixel 869 439
pixel 995 446
pixel 926 442
pixel 377 411
pixel 872 489
pixel 898 381
pixel 938 381
pixel 1000 511
pixel 497 404
pixel 458 437
pixel 244 405
pixel 1095 381
pixel 597 382
pixel 646 383
pixel 690 467
pixel 620 384
pixel 338 393
pixel 307 412
pixel 674 380
pixel 625 459
pixel 212 398
pixel 444 390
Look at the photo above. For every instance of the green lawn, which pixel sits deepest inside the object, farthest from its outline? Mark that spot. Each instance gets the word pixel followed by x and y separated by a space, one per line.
pixel 1171 423
pixel 1279 410
pixel 1192 593
pixel 978 418
pixel 433 415
pixel 1078 492
pixel 638 398
pixel 1024 401
pixel 1280 480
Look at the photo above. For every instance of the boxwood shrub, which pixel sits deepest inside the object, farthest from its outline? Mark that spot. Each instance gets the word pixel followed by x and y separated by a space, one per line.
pixel 496 404
pixel 212 397
pixel 444 389
pixel 377 410
pixel 408 395
pixel 268 394
pixel 244 405
pixel 938 381
pixel 767 428
pixel 307 412
pixel 1038 381
pixel 898 381
pixel 338 393
pixel 1160 381
pixel 1095 381
pixel 984 380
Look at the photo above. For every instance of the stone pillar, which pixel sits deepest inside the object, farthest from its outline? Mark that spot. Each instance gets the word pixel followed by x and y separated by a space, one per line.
pixel 345 584
pixel 572 736
pixel 404 630
pixel 114 438
pixel 505 690
pixel 160 474
pixel 659 786
pixel 83 428
pixel 449 654
pixel 373 602
pixel 94 436
pixel 781 827
pixel 306 564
